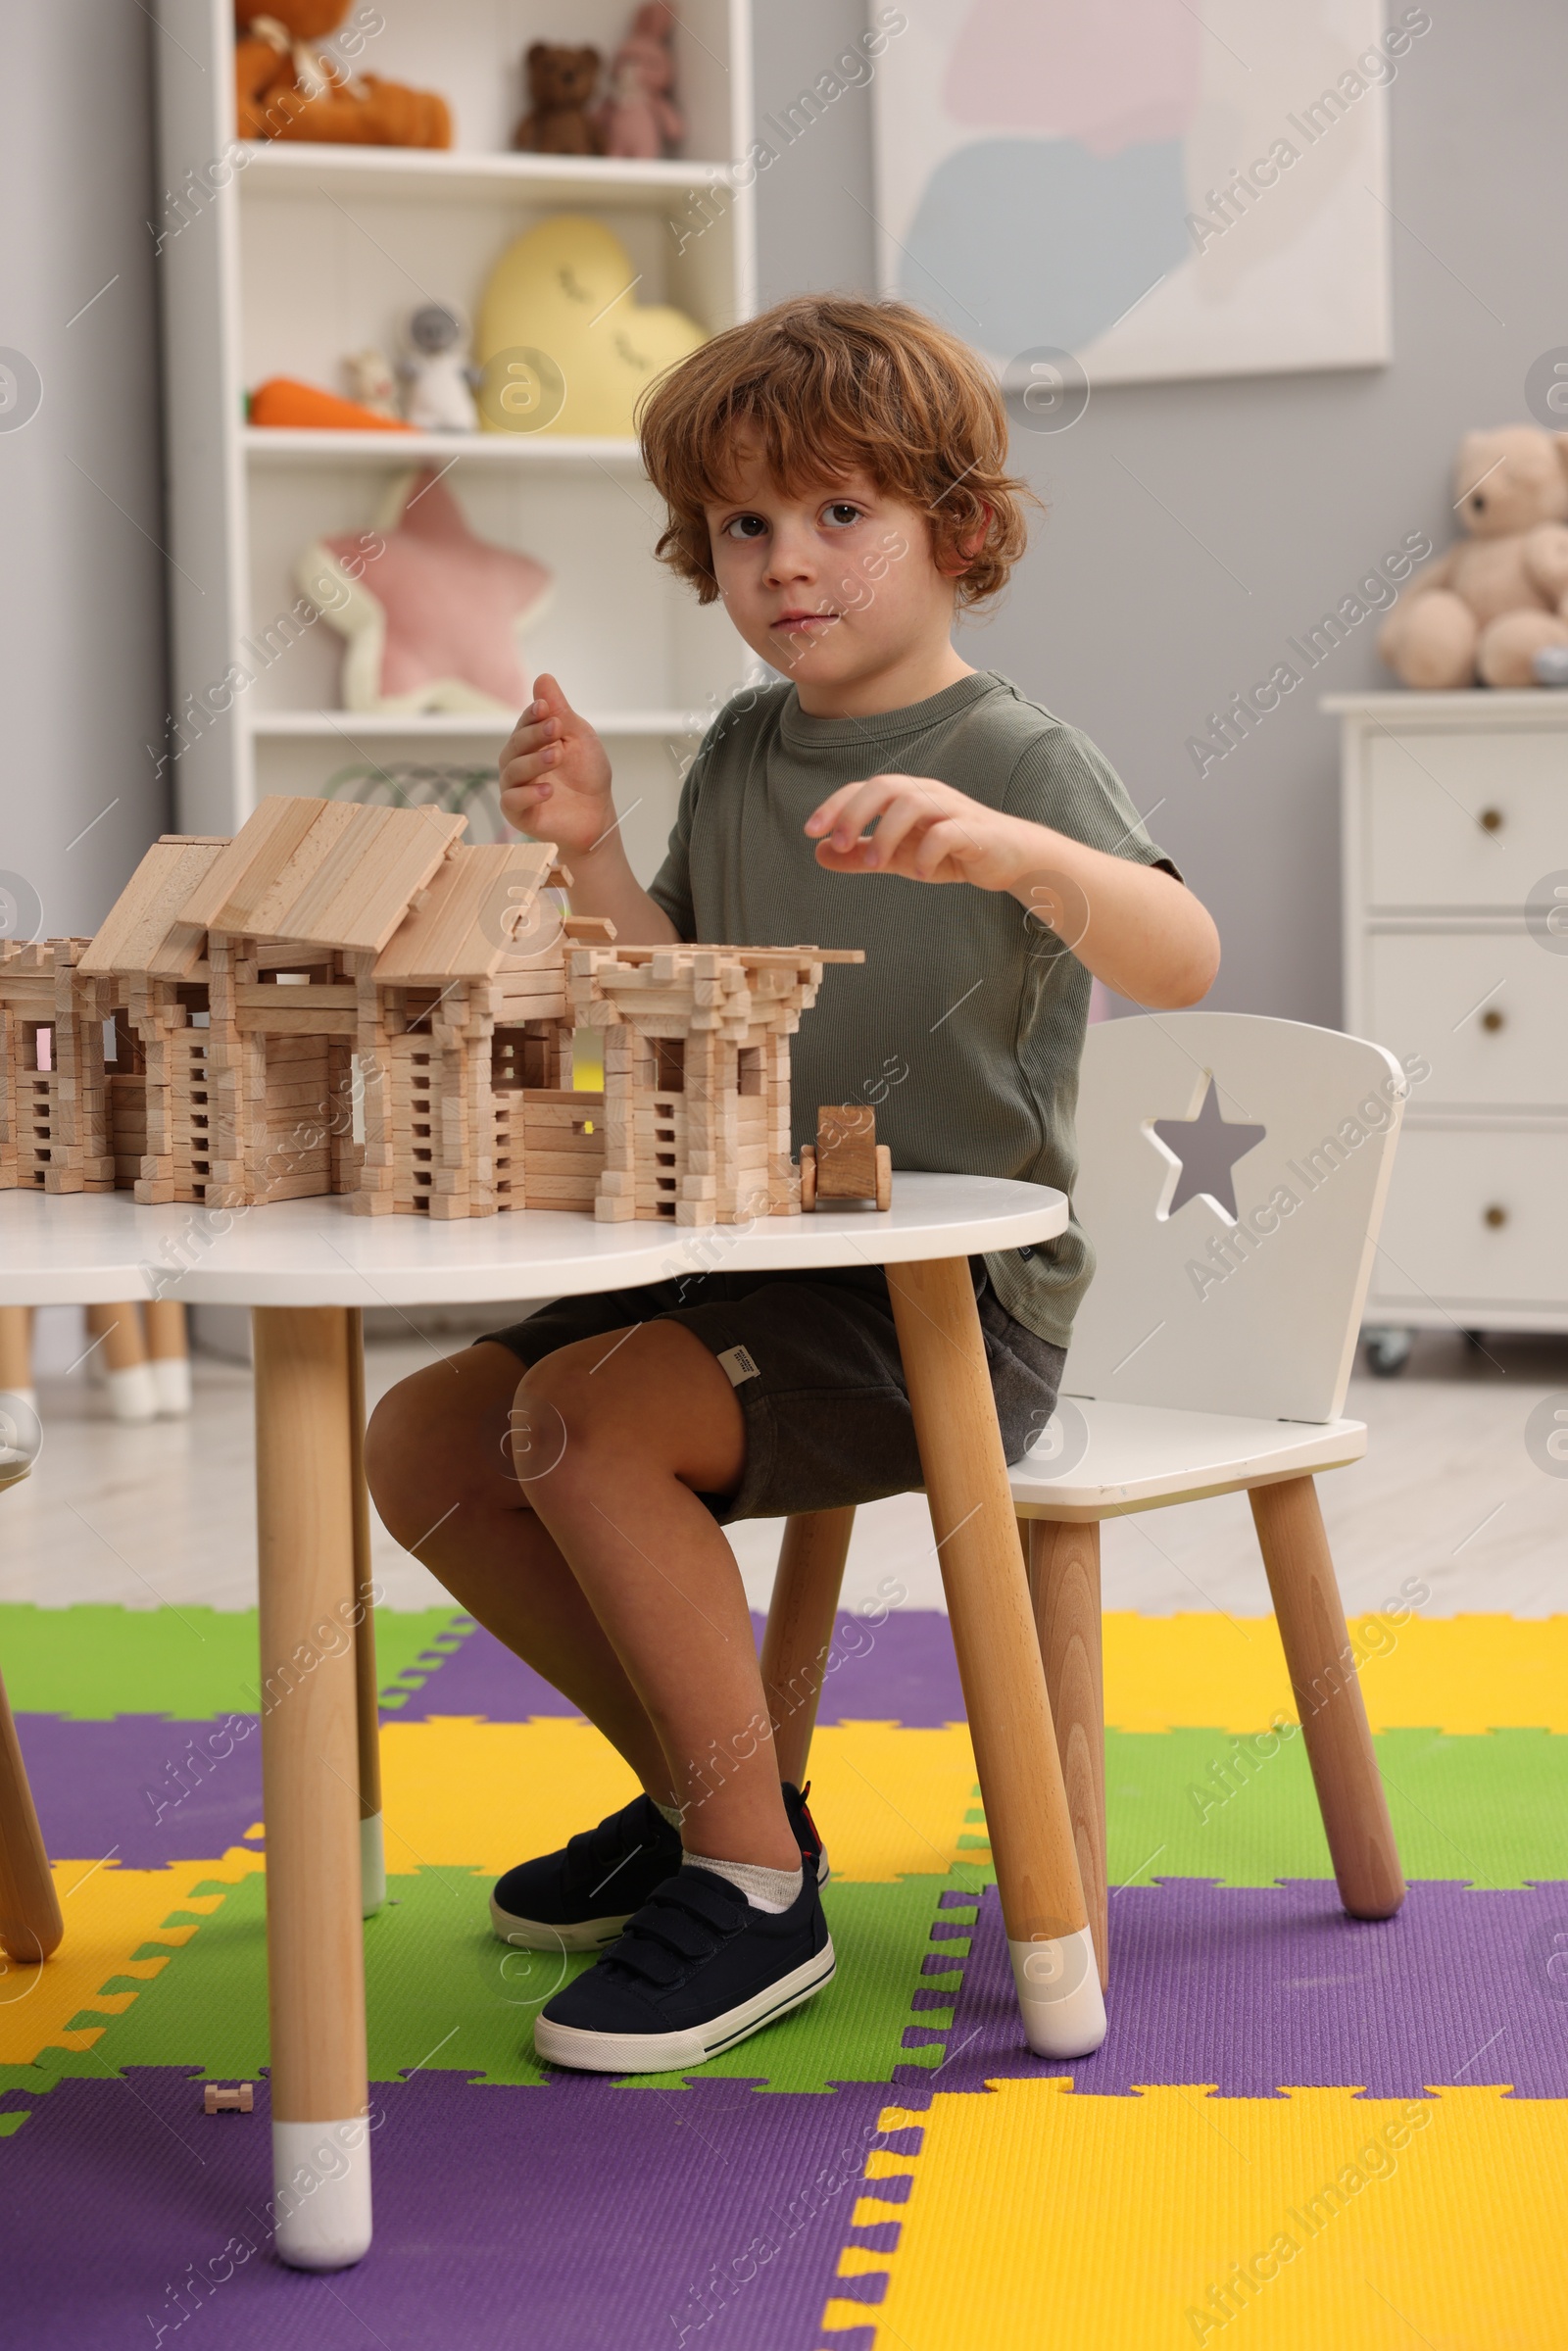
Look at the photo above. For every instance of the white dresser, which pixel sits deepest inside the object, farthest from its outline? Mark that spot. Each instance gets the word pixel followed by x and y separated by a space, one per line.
pixel 1455 891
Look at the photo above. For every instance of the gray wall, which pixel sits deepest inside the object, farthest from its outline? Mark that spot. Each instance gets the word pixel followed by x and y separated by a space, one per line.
pixel 1119 618
pixel 81 631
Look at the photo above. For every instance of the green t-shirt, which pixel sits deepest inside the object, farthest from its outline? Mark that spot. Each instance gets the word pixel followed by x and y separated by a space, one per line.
pixel 964 1026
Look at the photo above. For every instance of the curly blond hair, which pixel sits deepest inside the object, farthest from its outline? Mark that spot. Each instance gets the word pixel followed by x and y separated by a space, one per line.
pixel 825 385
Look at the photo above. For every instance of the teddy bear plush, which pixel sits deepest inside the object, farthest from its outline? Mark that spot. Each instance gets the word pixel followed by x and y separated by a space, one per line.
pixel 1500 597
pixel 640 118
pixel 560 88
pixel 285 88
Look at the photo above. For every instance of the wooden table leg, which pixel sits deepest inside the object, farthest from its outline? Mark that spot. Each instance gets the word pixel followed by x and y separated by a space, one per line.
pixel 15 1353
pixel 372 1840
pixel 1064 1586
pixel 310 1786
pixel 1310 1616
pixel 999 1657
pixel 800 1629
pixel 31 1925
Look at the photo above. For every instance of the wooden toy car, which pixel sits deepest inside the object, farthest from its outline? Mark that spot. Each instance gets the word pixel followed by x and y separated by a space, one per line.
pixel 847 1161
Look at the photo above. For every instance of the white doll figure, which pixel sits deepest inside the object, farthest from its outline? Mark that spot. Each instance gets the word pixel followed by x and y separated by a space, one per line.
pixel 437 380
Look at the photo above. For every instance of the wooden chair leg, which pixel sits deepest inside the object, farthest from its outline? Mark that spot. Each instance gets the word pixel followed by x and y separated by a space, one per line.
pixel 31 1925
pixel 800 1629
pixel 999 1656
pixel 310 1786
pixel 367 1689
pixel 1310 1615
pixel 1064 1586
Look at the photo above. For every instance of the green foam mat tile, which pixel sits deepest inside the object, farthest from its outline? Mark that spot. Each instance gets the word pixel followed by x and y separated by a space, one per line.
pixel 88 1664
pixel 1491 1808
pixel 442 1994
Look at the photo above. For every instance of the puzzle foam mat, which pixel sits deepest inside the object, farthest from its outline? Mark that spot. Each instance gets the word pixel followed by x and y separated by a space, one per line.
pixel 1300 2129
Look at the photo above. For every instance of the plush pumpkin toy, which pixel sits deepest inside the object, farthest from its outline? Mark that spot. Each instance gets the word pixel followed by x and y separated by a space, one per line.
pixel 1498 598
pixel 286 88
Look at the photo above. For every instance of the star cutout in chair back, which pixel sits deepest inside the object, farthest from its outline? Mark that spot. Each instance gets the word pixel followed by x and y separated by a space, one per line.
pixel 1205 1150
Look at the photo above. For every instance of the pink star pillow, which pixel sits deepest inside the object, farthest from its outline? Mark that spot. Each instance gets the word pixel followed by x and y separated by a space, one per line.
pixel 432 613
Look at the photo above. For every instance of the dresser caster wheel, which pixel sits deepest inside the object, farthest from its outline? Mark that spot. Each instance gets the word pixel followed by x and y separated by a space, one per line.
pixel 1387 1352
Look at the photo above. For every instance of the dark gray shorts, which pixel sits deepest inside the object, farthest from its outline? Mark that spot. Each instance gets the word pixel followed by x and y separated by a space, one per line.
pixel 827 1412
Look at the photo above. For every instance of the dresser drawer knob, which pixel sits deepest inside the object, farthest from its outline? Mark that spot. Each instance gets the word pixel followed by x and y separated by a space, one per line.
pixel 1495 1216
pixel 1492 820
pixel 1492 1019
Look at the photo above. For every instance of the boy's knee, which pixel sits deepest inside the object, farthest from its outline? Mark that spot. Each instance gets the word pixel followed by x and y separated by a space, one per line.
pixel 395 1462
pixel 427 1436
pixel 594 1385
pixel 647 1396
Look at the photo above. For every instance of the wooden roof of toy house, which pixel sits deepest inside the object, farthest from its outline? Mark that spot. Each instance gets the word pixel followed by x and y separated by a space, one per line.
pixel 325 872
pixel 144 932
pixel 394 882
pixel 482 915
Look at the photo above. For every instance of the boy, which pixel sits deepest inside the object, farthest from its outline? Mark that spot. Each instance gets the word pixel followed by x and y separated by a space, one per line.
pixel 834 472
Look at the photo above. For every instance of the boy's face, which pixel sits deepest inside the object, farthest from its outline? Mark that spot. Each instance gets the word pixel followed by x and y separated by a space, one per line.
pixel 834 585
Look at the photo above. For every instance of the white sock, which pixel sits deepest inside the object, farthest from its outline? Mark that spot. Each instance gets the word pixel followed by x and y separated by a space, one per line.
pixel 671 1812
pixel 764 1888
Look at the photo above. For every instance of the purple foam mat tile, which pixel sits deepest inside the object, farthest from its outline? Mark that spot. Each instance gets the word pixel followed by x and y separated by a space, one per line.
pixel 142 1789
pixel 1261 1988
pixel 900 1669
pixel 480 1677
pixel 878 2237
pixel 871 2286
pixel 581 2215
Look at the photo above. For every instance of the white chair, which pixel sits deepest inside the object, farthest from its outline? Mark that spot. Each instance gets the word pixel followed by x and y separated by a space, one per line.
pixel 1232 1172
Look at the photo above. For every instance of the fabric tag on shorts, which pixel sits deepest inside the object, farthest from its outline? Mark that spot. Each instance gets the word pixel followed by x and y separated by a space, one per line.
pixel 739 1365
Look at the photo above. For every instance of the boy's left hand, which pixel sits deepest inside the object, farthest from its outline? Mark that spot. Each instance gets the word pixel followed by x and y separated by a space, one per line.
pixel 925 831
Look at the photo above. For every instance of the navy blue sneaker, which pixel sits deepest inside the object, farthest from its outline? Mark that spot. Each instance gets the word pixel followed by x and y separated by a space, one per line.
pixel 697 1969
pixel 582 1897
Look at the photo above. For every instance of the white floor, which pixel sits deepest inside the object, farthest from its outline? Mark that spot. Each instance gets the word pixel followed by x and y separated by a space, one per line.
pixel 163 1514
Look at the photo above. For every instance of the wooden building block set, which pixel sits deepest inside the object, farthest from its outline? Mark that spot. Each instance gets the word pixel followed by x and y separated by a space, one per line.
pixel 353 1000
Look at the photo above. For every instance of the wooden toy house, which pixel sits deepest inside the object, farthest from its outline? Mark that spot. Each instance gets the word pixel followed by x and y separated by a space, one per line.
pixel 696 1076
pixel 51 1061
pixel 353 1000
pixel 307 1005
pixel 236 965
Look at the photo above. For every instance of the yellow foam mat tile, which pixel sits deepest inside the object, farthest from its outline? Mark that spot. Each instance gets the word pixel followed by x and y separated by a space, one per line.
pixel 1038 2218
pixel 110 1913
pixel 1458 1674
pixel 464 1793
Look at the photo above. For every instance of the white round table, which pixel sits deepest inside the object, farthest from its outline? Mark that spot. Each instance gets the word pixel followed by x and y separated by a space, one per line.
pixel 306 1268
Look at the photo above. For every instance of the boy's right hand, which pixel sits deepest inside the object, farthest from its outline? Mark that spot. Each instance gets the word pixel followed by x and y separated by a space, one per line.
pixel 554 774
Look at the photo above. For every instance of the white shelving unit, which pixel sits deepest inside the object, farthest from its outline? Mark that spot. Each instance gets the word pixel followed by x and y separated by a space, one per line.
pixel 280 258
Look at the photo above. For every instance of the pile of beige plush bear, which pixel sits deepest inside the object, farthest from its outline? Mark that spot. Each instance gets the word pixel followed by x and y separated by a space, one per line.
pixel 1494 610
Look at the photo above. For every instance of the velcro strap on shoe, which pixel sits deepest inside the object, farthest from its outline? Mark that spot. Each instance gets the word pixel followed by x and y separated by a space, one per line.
pixel 706 1896
pixel 685 1920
